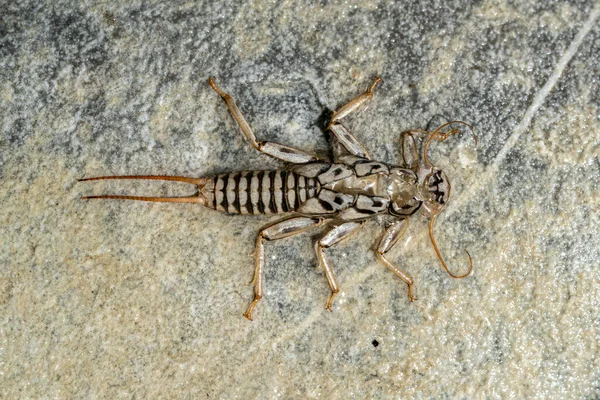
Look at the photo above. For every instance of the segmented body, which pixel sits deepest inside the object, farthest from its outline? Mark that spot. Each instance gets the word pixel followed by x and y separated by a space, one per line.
pixel 354 192
pixel 259 192
pixel 341 195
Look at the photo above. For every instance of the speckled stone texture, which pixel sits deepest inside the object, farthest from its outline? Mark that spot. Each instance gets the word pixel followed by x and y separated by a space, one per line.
pixel 109 299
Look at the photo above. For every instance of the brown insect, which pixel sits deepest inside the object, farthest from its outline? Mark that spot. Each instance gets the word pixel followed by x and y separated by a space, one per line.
pixel 341 194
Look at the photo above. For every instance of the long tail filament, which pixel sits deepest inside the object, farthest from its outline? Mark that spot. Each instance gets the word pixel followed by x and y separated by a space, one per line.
pixel 198 198
pixel 439 255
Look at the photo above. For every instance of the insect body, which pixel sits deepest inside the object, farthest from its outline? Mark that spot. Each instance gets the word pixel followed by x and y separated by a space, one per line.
pixel 342 194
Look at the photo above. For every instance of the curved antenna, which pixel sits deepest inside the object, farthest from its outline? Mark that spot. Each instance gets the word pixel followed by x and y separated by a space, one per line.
pixel 445 135
pixel 439 255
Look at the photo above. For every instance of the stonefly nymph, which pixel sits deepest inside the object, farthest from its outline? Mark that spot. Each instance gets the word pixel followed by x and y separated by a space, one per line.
pixel 341 194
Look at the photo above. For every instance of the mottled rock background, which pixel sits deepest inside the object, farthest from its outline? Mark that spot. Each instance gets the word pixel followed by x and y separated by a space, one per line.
pixel 108 299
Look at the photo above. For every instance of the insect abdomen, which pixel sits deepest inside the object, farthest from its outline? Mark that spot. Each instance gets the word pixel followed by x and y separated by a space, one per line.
pixel 260 192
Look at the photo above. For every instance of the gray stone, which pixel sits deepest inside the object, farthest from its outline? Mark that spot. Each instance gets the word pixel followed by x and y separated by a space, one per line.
pixel 109 299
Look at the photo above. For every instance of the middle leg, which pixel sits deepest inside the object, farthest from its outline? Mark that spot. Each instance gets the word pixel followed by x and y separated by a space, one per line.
pixel 333 236
pixel 355 103
pixel 341 133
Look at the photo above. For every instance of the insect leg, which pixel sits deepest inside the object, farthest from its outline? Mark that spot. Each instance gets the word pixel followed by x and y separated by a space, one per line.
pixel 336 234
pixel 345 138
pixel 278 230
pixel 347 141
pixel 388 240
pixel 276 150
pixel 355 103
pixel 409 145
pixel 410 156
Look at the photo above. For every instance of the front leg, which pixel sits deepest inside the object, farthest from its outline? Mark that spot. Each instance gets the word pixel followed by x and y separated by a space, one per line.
pixel 278 230
pixel 410 155
pixel 335 235
pixel 388 240
pixel 344 137
pixel 276 150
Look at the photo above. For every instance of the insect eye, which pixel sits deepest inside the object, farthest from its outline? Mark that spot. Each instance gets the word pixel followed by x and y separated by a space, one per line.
pixel 439 186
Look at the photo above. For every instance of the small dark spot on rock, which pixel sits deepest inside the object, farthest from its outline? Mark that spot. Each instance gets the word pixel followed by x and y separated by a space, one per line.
pixel 109 18
pixel 375 343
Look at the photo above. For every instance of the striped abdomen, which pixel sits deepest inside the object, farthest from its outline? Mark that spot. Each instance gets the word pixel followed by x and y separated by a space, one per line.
pixel 259 192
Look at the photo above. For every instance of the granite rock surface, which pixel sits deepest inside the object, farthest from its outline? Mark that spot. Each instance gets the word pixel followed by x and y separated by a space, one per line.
pixel 109 299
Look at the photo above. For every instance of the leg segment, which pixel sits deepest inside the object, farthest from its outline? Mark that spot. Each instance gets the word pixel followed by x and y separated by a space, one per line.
pixel 409 146
pixel 347 142
pixel 388 240
pixel 336 234
pixel 410 155
pixel 355 103
pixel 275 231
pixel 345 138
pixel 276 150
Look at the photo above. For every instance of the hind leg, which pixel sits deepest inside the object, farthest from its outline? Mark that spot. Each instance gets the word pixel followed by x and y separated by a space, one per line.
pixel 278 230
pixel 276 150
